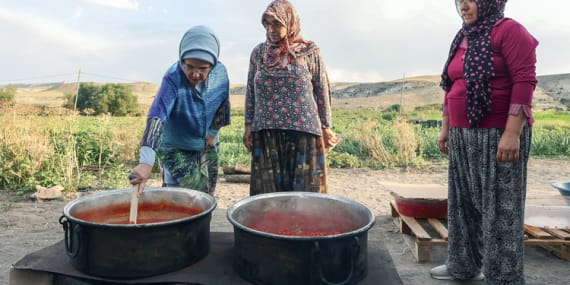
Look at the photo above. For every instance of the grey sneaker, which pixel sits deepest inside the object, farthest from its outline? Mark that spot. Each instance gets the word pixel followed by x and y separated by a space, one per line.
pixel 441 273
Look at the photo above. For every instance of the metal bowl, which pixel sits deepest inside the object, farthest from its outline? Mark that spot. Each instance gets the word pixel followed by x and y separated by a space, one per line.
pixel 108 249
pixel 563 187
pixel 277 258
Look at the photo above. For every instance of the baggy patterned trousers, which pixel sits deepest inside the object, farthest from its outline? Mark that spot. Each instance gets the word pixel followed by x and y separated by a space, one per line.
pixel 486 206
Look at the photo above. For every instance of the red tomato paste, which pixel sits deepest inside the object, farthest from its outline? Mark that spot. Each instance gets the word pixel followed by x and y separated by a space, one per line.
pixel 147 213
pixel 300 224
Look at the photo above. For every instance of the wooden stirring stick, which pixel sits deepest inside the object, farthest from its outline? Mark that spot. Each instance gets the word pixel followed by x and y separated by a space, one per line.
pixel 134 205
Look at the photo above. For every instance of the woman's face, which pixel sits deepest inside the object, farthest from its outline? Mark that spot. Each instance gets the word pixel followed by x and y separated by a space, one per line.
pixel 196 70
pixel 275 30
pixel 468 10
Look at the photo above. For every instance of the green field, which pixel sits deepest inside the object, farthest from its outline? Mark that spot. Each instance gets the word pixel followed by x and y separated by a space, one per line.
pixel 80 152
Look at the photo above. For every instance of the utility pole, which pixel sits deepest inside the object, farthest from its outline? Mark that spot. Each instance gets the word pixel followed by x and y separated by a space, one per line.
pixel 402 93
pixel 77 91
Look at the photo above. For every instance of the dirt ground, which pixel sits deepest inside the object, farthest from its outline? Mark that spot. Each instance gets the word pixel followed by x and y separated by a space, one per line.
pixel 29 226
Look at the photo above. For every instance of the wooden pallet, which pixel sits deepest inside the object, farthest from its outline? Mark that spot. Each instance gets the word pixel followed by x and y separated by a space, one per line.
pixel 422 235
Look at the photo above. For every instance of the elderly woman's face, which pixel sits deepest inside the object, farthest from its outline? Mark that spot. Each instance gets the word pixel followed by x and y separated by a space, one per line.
pixel 468 10
pixel 196 70
pixel 274 29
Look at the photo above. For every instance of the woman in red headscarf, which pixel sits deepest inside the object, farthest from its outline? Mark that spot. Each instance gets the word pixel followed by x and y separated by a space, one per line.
pixel 489 80
pixel 287 108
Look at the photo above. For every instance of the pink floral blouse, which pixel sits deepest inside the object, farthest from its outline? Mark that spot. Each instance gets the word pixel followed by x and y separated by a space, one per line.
pixel 297 98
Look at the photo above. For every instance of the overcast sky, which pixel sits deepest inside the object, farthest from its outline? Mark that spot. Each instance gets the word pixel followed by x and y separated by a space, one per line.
pixel 136 40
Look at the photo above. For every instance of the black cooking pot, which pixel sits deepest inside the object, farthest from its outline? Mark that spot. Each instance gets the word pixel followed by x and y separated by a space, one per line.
pixel 300 238
pixel 106 249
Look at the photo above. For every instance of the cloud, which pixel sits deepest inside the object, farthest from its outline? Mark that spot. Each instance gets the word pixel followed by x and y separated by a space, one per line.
pixel 351 75
pixel 77 12
pixel 120 4
pixel 44 32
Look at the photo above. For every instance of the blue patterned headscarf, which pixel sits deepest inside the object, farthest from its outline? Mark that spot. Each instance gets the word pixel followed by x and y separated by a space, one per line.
pixel 200 42
pixel 478 64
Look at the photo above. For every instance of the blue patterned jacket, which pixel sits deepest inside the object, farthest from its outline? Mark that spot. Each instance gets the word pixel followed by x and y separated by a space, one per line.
pixel 180 116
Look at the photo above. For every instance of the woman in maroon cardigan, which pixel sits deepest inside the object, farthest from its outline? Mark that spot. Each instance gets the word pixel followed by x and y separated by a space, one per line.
pixel 489 80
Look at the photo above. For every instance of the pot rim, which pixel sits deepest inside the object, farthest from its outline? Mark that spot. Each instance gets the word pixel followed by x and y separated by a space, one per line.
pixel 370 215
pixel 69 206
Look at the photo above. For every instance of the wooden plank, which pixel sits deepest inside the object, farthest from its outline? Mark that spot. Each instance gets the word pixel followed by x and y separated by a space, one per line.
pixel 537 232
pixel 562 251
pixel 409 225
pixel 565 252
pixel 558 233
pixel 556 241
pixel 238 178
pixel 393 210
pixel 416 228
pixel 439 228
pixel 404 228
pixel 434 242
pixel 539 241
pixel 423 253
pixel 237 169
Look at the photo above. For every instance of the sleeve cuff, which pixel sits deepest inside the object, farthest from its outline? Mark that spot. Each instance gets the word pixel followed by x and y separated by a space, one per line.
pixel 515 109
pixel 147 155
pixel 213 132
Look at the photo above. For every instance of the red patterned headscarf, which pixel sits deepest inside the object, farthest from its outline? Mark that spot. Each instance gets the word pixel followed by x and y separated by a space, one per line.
pixel 478 63
pixel 279 55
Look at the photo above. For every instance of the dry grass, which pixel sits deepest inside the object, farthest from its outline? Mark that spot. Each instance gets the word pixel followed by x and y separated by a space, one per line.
pixel 373 141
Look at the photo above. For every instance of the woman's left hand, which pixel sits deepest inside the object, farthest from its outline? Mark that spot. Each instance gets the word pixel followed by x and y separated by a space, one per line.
pixel 509 146
pixel 329 138
pixel 210 142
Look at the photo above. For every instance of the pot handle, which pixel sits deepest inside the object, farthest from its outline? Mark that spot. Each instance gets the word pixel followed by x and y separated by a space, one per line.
pixel 71 247
pixel 354 251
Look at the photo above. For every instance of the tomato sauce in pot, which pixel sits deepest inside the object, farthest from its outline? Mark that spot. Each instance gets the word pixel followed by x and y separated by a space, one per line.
pixel 300 224
pixel 155 212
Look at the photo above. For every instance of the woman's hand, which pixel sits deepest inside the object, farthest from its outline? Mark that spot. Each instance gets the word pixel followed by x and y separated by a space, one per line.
pixel 329 138
pixel 248 138
pixel 210 142
pixel 443 138
pixel 443 141
pixel 139 175
pixel 509 146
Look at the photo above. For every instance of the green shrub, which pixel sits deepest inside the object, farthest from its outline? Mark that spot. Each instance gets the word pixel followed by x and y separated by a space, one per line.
pixel 114 99
pixel 7 95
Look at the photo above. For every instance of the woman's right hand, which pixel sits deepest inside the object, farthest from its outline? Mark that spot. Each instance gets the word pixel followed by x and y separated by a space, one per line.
pixel 443 138
pixel 139 175
pixel 248 138
pixel 443 141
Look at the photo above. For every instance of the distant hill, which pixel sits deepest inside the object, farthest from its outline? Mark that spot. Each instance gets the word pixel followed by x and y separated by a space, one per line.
pixel 557 86
pixel 553 92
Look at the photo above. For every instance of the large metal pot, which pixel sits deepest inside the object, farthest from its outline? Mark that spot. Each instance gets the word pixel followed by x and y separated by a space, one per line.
pixel 98 246
pixel 300 238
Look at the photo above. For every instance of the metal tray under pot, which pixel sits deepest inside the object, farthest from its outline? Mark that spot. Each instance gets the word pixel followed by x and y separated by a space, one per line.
pixel 172 232
pixel 300 238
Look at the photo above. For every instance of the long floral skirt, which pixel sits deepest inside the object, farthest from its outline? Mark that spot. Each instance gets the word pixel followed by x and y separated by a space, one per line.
pixel 197 170
pixel 285 160
pixel 486 206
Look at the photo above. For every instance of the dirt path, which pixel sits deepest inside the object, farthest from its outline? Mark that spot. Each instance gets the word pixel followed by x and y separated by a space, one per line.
pixel 28 226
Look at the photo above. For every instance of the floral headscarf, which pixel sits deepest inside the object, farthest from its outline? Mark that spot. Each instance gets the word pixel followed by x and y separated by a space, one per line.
pixel 478 63
pixel 279 55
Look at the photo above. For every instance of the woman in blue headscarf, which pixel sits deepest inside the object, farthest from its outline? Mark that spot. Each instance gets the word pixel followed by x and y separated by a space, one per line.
pixel 182 126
